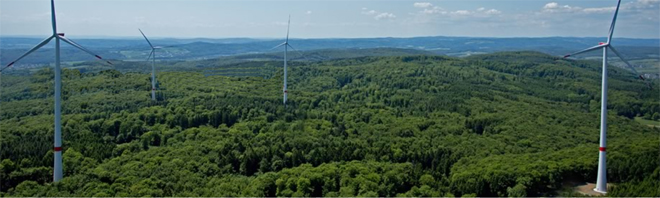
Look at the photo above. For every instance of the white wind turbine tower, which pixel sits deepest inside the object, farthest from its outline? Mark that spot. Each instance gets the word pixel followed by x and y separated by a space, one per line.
pixel 601 181
pixel 286 50
pixel 153 66
pixel 57 167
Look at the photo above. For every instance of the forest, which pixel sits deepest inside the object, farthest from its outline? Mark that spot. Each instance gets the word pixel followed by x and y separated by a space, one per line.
pixel 502 124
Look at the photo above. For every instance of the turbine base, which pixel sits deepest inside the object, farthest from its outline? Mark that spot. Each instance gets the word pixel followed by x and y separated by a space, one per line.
pixel 588 189
pixel 599 191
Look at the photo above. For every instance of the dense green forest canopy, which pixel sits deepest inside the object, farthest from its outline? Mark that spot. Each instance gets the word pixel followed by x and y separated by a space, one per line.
pixel 502 124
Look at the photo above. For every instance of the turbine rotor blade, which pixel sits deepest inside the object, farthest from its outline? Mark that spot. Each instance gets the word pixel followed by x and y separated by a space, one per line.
pixel 626 62
pixel 81 48
pixel 145 38
pixel 152 53
pixel 294 49
pixel 280 45
pixel 288 24
pixel 586 50
pixel 71 42
pixel 52 16
pixel 44 42
pixel 616 12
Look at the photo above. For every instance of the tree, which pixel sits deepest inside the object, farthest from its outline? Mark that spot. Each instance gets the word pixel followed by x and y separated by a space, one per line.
pixel 517 191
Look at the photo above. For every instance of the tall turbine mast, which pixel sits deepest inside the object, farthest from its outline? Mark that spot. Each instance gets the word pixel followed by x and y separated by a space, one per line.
pixel 286 51
pixel 57 149
pixel 601 181
pixel 153 66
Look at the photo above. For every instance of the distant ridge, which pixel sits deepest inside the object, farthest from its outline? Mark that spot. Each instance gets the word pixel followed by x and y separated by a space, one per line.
pixel 203 48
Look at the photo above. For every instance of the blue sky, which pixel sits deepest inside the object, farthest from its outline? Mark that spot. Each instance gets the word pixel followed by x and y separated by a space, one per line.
pixel 331 19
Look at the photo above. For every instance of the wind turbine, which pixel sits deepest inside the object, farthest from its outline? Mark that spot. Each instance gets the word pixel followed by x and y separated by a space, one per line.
pixel 57 167
pixel 286 50
pixel 153 66
pixel 601 181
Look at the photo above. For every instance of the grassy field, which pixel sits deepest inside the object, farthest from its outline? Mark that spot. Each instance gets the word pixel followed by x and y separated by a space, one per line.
pixel 650 65
pixel 646 122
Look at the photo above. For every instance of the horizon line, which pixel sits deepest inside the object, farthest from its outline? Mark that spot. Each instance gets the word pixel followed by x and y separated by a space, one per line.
pixel 312 38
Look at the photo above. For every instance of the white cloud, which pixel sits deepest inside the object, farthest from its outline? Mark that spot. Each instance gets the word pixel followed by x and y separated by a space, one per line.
pixel 479 12
pixel 434 10
pixel 649 2
pixel 642 5
pixel 429 8
pixel 308 12
pixel 553 7
pixel 422 5
pixel 461 12
pixel 378 15
pixel 369 12
pixel 385 15
pixel 599 10
pixel 493 11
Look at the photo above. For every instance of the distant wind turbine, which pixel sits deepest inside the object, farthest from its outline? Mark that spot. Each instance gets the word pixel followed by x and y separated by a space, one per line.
pixel 153 66
pixel 57 167
pixel 286 50
pixel 601 181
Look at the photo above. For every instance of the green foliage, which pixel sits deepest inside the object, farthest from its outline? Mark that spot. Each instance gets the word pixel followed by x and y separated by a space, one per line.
pixel 519 190
pixel 505 124
pixel 647 187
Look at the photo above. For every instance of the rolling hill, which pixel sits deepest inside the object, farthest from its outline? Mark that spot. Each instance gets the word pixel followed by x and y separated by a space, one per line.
pixel 498 124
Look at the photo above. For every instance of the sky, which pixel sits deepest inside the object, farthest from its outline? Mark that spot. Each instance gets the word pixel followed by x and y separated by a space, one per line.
pixel 331 19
